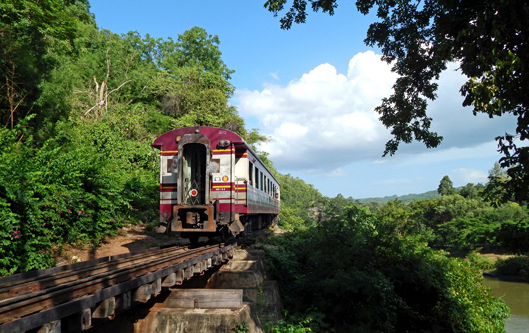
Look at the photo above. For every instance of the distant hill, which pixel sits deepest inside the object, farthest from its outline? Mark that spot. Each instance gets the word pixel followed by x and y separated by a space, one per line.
pixel 403 198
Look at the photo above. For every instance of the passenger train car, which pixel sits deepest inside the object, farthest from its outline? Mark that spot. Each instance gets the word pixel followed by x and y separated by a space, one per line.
pixel 212 183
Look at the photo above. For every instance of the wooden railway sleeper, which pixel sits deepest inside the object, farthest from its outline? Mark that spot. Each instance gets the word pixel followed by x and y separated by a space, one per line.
pixel 53 296
pixel 40 283
pixel 135 265
pixel 112 285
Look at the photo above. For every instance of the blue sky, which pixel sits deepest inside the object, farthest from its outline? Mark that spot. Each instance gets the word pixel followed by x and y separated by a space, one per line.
pixel 312 90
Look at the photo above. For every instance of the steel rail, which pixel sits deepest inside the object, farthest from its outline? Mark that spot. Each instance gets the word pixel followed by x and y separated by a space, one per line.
pixel 25 285
pixel 77 286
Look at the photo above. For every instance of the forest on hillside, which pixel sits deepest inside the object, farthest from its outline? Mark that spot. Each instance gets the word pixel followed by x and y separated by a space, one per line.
pixel 80 107
pixel 397 266
pixel 404 198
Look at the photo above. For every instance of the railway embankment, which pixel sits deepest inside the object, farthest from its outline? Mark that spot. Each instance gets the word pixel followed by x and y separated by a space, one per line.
pixel 254 301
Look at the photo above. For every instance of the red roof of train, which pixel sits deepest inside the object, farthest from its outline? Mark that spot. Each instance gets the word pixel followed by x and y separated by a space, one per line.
pixel 167 141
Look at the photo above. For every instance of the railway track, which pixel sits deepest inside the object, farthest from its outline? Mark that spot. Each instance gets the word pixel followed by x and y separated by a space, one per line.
pixel 70 296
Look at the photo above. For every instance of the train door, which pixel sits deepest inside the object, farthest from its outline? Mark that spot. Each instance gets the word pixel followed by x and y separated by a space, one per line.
pixel 229 171
pixel 192 214
pixel 194 177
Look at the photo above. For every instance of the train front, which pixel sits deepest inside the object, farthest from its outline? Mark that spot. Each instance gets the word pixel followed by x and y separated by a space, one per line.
pixel 192 160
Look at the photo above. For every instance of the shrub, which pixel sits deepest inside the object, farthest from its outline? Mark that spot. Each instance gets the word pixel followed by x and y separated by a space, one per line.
pixel 515 266
pixel 362 276
pixel 480 262
pixel 80 186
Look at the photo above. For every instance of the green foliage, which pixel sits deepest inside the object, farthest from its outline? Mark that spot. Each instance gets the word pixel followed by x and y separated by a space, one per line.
pixel 241 327
pixel 31 47
pixel 300 203
pixel 195 98
pixel 361 274
pixel 81 186
pixel 336 205
pixel 294 324
pixel 468 232
pixel 458 223
pixel 515 266
pixel 404 198
pixel 514 236
pixel 488 39
pixel 446 187
pixel 496 190
pixel 195 48
pixel 471 191
pixel 480 262
pixel 80 107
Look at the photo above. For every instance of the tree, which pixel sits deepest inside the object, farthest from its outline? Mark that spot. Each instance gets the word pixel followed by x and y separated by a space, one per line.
pixel 196 48
pixel 490 40
pixel 83 105
pixel 514 237
pixel 446 187
pixel 496 190
pixel 368 277
pixel 470 191
pixel 33 36
pixel 300 202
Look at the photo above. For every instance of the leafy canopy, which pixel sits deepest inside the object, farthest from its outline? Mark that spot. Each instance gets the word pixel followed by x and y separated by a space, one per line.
pixel 488 38
pixel 446 186
pixel 365 276
pixel 79 108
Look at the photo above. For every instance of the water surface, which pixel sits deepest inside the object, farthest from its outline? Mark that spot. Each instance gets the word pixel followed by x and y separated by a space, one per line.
pixel 516 296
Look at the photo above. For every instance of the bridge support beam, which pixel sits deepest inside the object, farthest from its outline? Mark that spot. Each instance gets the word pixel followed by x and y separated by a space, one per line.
pixel 78 322
pixel 53 327
pixel 105 309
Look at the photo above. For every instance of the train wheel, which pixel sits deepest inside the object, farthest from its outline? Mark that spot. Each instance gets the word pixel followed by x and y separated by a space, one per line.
pixel 193 239
pixel 248 229
pixel 225 234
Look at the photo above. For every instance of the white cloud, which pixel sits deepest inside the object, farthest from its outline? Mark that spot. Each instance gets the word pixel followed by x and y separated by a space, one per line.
pixel 326 120
pixel 465 176
pixel 338 172
pixel 486 149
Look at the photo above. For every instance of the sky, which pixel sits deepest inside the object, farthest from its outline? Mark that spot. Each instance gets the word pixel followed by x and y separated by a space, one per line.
pixel 313 90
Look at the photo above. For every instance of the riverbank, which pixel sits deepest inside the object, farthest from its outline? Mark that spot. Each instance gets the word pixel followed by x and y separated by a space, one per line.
pixel 506 267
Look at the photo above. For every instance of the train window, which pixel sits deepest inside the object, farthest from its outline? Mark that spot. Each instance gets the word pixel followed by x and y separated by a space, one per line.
pixel 261 180
pixel 250 173
pixel 214 166
pixel 256 178
pixel 172 165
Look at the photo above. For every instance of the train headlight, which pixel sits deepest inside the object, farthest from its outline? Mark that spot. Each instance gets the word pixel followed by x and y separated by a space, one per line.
pixel 225 178
pixel 223 143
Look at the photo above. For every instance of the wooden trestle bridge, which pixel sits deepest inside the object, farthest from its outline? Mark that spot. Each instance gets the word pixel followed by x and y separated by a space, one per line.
pixel 70 296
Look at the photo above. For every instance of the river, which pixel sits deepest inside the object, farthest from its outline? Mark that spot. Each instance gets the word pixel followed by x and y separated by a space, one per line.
pixel 516 295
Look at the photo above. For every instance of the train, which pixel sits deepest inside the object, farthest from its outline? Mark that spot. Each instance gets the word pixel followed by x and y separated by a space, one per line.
pixel 213 184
